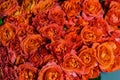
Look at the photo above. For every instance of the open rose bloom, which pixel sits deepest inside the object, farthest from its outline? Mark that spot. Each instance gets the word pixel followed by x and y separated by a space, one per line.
pixel 59 39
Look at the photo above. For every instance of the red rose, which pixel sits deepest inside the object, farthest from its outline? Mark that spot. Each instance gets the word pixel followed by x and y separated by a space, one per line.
pixel 27 71
pixel 7 33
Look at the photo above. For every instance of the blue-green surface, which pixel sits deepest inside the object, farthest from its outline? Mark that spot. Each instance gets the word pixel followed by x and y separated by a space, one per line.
pixel 111 76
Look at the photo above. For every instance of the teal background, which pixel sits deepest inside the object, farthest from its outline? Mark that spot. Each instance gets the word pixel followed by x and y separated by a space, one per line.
pixel 111 76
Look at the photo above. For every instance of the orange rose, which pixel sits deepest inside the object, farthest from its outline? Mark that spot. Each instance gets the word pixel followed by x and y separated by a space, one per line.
pixel 59 48
pixel 40 20
pixel 57 15
pixel 90 34
pixel 72 34
pixel 36 59
pixel 116 64
pixel 7 33
pixel 50 72
pixel 15 45
pixel 87 56
pixel 105 55
pixel 92 8
pixel 43 5
pixel 8 7
pixel 23 30
pixel 72 63
pixel 52 31
pixel 31 43
pixel 113 14
pixel 27 71
pixel 71 8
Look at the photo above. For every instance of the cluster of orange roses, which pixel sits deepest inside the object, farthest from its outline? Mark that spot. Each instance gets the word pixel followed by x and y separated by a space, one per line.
pixel 59 39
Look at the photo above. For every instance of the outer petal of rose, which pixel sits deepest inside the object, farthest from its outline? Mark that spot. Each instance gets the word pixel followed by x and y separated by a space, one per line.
pixel 7 33
pixel 68 75
pixel 94 73
pixel 105 55
pixel 92 8
pixel 116 36
pixel 71 76
pixel 50 71
pixel 87 57
pixel 72 63
pixel 27 71
pixel 115 66
pixel 82 22
pixel 49 58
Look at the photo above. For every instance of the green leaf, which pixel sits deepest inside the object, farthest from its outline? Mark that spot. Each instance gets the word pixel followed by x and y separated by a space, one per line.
pixel 98 78
pixel 1 22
